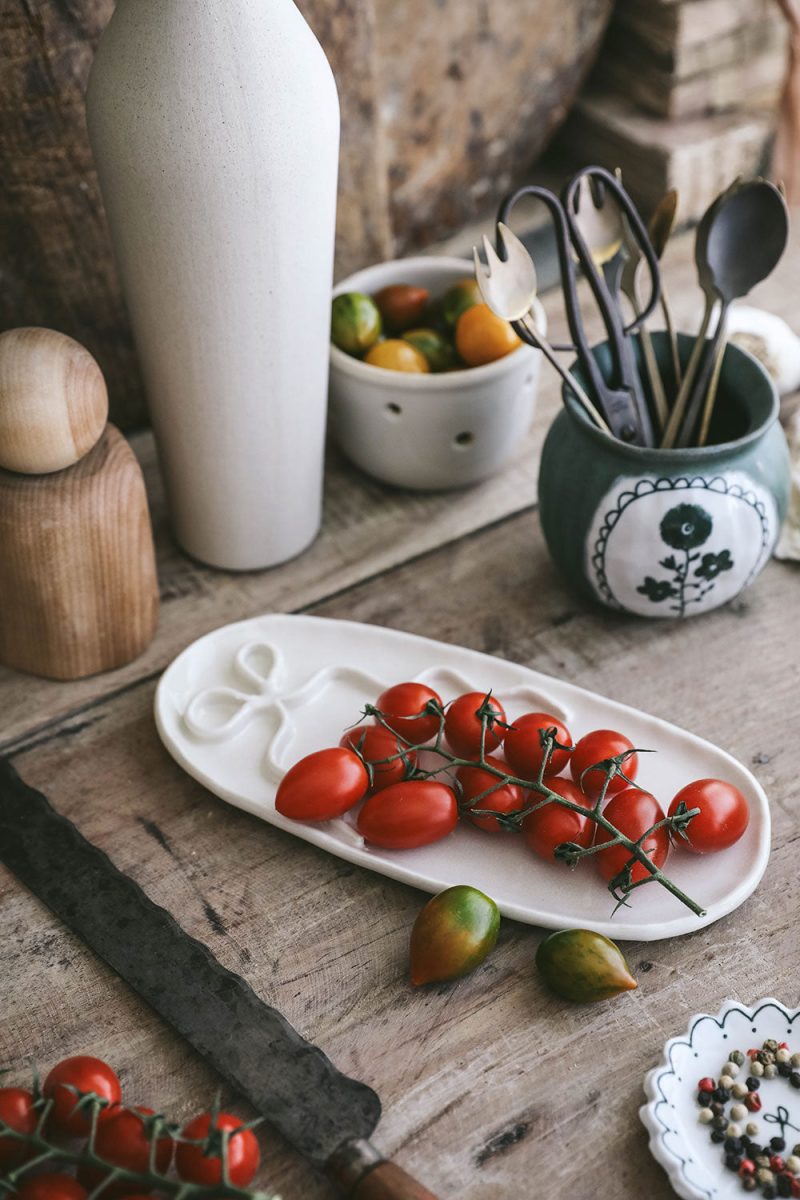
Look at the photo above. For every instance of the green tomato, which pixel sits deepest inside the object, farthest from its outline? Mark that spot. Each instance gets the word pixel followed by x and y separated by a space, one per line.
pixel 440 353
pixel 458 298
pixel 453 934
pixel 583 966
pixel 355 322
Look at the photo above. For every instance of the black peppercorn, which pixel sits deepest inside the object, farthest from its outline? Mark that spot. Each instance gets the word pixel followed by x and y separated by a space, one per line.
pixel 777 1143
pixel 752 1083
pixel 785 1069
pixel 719 1123
pixel 721 1095
pixel 794 1079
pixel 733 1144
pixel 769 1192
pixel 704 1099
pixel 717 1136
pixel 784 1185
pixel 717 1108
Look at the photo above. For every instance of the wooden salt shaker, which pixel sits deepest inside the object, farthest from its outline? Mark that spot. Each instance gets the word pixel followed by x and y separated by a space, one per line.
pixel 78 586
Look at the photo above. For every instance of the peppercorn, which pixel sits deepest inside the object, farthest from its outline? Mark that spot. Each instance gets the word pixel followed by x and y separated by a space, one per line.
pixel 771 1071
pixel 704 1098
pixel 777 1143
pixel 771 1045
pixel 784 1070
pixel 738 1090
pixel 776 1163
pixel 717 1108
pixel 732 1161
pixel 757 1069
pixel 738 1112
pixel 794 1079
pixel 753 1084
pixel 793 1164
pixel 705 1116
pixel 784 1185
pixel 795 1060
pixel 733 1144
pixel 737 1057
pixel 706 1084
pixel 749 1183
pixel 783 1055
pixel 721 1095
pixel 730 1068
pixel 752 1102
pixel 719 1122
pixel 718 1136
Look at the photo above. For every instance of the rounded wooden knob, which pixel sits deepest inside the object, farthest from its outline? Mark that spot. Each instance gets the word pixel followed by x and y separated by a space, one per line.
pixel 53 401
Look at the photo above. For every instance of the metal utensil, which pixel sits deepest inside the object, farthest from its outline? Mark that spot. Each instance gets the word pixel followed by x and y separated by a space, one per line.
pixel 660 227
pixel 509 288
pixel 737 247
pixel 324 1114
pixel 582 225
pixel 628 286
pixel 612 395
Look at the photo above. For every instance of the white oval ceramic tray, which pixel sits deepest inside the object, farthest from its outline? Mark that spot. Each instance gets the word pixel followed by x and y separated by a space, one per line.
pixel 678 1140
pixel 242 704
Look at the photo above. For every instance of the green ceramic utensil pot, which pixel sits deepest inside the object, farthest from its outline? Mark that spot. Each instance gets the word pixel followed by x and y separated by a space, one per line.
pixel 668 533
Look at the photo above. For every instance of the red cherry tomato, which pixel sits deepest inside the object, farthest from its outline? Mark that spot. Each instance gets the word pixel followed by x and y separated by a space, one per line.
pixel 322 785
pixel 17 1112
pixel 83 1074
pixel 122 1140
pixel 409 814
pixel 195 1165
pixel 403 710
pixel 552 824
pixel 632 812
pixel 51 1186
pixel 594 748
pixel 504 799
pixel 523 745
pixel 462 725
pixel 724 815
pixel 375 743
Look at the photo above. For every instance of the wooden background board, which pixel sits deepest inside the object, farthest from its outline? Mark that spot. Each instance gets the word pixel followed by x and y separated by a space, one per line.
pixel 489 1084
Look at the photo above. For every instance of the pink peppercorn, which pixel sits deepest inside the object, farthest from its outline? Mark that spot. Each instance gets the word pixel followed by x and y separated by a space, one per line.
pixel 752 1102
pixel 747 1167
pixel 776 1163
pixel 706 1085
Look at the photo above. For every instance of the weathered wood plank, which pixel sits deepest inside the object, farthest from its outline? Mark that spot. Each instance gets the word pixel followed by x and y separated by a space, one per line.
pixel 488 1083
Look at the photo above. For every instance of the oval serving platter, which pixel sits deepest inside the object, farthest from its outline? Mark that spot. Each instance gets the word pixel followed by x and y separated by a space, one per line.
pixel 678 1140
pixel 239 706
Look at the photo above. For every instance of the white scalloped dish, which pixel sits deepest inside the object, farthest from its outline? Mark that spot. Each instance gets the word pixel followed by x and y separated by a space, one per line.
pixel 678 1140
pixel 238 707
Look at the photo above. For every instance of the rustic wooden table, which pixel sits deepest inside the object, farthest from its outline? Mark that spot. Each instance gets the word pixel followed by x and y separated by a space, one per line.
pixel 491 1087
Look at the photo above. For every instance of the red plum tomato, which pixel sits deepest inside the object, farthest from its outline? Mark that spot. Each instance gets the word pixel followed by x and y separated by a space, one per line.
pixel 724 815
pixel 401 305
pixel 51 1186
pixel 505 798
pixel 552 824
pixel 17 1112
pixel 374 743
pixel 594 748
pixel 83 1074
pixel 523 745
pixel 322 785
pixel 122 1140
pixel 452 935
pixel 409 814
pixel 462 725
pixel 194 1165
pixel 632 812
pixel 403 710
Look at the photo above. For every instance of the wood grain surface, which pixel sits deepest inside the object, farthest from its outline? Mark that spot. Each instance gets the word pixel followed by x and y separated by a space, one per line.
pixel 491 1087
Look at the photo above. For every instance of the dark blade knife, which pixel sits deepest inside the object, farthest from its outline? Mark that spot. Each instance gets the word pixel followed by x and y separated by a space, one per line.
pixel 326 1116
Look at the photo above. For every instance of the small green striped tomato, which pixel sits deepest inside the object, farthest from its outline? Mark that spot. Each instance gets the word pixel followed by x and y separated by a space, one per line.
pixel 453 934
pixel 583 966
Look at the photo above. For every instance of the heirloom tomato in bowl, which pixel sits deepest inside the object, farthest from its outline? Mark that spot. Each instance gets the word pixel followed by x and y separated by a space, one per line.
pixel 428 389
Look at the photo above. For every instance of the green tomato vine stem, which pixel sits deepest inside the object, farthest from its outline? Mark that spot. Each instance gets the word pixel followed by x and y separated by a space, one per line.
pixel 142 1182
pixel 622 884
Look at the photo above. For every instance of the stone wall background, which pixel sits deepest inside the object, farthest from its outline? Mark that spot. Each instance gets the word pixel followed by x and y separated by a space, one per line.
pixel 444 104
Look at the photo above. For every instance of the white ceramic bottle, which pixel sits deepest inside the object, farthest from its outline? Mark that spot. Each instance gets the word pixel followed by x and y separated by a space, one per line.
pixel 215 130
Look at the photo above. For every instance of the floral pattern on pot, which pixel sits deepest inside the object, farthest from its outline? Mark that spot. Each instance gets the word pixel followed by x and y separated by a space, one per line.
pixel 664 547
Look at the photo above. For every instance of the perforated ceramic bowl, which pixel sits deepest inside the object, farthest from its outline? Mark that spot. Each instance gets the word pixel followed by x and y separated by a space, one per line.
pixel 430 431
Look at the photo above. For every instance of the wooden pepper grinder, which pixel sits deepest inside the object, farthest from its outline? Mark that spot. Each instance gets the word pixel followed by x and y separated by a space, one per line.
pixel 78 586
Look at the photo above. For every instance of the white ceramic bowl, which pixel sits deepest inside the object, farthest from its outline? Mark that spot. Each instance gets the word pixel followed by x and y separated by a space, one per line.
pixel 430 431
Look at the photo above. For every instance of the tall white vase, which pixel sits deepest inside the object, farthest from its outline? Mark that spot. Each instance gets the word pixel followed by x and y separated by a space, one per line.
pixel 215 130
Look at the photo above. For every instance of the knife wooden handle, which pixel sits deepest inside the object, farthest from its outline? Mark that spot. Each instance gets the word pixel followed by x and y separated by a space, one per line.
pixel 389 1182
pixel 362 1173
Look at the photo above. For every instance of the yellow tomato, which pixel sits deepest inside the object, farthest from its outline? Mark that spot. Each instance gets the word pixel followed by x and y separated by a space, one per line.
pixel 482 337
pixel 397 355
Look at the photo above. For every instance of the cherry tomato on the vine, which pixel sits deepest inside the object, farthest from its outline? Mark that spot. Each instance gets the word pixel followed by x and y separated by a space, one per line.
pixel 504 798
pixel 632 813
pixel 462 724
pixel 82 1073
pixel 552 824
pixel 196 1166
pixel 409 814
pixel 596 747
pixel 322 785
pixel 17 1112
pixel 375 743
pixel 122 1140
pixel 51 1186
pixel 403 710
pixel 724 815
pixel 523 745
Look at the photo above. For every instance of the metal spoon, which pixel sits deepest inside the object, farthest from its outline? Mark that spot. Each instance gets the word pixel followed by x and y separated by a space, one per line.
pixel 745 242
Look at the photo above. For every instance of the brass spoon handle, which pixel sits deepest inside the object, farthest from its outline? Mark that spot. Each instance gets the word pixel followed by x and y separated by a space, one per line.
pixel 676 416
pixel 532 336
